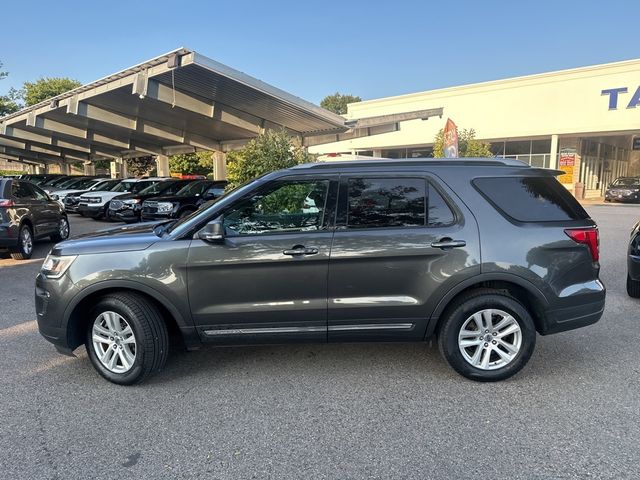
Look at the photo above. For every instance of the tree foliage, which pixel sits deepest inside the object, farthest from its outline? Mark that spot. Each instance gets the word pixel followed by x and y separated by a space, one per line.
pixel 337 103
pixel 140 166
pixel 10 102
pixel 468 146
pixel 198 163
pixel 271 151
pixel 45 88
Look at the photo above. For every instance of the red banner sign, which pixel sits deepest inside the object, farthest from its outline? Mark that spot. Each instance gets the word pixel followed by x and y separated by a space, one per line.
pixel 450 139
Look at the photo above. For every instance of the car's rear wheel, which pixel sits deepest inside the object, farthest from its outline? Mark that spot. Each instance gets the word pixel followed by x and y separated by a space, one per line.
pixel 126 338
pixel 633 287
pixel 487 336
pixel 24 250
pixel 63 230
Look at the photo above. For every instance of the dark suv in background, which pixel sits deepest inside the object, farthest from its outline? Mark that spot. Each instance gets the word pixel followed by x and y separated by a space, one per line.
pixel 184 202
pixel 127 207
pixel 482 253
pixel 27 213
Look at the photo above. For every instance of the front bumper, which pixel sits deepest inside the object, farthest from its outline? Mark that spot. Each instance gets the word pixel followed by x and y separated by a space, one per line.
pixel 622 197
pixel 52 296
pixel 126 214
pixel 149 217
pixel 90 210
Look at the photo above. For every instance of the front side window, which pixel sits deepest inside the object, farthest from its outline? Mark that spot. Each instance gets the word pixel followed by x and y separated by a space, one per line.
pixel 386 202
pixel 282 207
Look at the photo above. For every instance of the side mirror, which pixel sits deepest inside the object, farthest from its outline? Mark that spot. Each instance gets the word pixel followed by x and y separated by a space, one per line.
pixel 213 232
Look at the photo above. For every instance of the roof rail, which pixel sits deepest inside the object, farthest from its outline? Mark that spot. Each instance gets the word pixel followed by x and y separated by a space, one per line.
pixel 376 162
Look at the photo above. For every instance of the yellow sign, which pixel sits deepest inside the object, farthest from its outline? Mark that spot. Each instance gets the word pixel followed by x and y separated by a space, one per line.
pixel 567 176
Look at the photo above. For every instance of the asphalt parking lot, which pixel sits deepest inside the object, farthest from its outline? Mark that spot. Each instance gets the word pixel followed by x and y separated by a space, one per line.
pixel 326 411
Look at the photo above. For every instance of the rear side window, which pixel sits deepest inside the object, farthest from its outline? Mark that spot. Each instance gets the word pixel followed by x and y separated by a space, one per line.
pixel 21 190
pixel 395 202
pixel 531 199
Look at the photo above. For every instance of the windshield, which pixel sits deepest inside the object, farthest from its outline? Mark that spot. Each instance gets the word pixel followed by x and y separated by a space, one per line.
pixel 85 183
pixel 193 189
pixel 70 183
pixel 123 187
pixel 156 188
pixel 626 182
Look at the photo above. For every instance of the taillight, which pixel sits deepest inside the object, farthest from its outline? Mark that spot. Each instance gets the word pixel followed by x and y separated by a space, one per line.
pixel 6 203
pixel 588 237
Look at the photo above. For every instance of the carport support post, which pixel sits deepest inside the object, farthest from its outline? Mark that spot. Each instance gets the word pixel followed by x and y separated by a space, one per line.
pixel 64 168
pixel 89 168
pixel 113 167
pixel 554 152
pixel 162 165
pixel 219 166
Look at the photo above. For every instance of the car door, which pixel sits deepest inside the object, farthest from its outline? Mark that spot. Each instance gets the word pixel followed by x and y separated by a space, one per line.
pixel 399 239
pixel 28 206
pixel 50 212
pixel 267 280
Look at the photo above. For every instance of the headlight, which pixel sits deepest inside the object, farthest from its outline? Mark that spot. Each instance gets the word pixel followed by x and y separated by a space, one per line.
pixel 94 200
pixel 165 206
pixel 131 201
pixel 55 266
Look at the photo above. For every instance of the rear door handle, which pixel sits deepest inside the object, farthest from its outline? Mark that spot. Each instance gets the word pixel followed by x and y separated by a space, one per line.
pixel 298 250
pixel 446 243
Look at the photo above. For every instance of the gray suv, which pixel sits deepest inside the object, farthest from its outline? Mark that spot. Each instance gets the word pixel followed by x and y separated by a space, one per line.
pixel 483 253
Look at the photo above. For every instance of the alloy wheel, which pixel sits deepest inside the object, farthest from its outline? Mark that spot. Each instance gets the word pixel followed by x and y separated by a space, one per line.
pixel 63 228
pixel 490 339
pixel 27 241
pixel 114 342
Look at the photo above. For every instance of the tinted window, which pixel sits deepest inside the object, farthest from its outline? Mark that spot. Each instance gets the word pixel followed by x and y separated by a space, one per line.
pixel 386 202
pixel 22 191
pixel 284 207
pixel 439 214
pixel 38 194
pixel 531 199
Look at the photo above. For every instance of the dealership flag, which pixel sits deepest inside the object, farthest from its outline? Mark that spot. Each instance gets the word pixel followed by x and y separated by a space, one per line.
pixel 450 139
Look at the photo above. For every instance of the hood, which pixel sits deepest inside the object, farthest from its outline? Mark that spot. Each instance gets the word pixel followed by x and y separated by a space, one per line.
pixel 67 192
pixel 105 195
pixel 126 238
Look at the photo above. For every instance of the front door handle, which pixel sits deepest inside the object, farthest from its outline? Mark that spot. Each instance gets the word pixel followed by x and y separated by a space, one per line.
pixel 446 243
pixel 298 250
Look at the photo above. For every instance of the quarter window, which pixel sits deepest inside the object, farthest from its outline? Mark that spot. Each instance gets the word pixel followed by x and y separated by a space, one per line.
pixel 293 206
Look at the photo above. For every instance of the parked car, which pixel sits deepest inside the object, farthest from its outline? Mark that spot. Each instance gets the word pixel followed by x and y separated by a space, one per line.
pixel 127 207
pixel 71 200
pixel 633 263
pixel 623 189
pixel 53 181
pixel 184 202
pixel 39 179
pixel 483 253
pixel 80 186
pixel 27 213
pixel 96 204
pixel 69 183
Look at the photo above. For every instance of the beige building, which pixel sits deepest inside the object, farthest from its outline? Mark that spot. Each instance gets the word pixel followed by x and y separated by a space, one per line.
pixel 585 121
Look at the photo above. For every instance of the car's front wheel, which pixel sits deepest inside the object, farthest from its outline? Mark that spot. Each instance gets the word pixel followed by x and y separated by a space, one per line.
pixel 487 335
pixel 63 230
pixel 126 338
pixel 24 250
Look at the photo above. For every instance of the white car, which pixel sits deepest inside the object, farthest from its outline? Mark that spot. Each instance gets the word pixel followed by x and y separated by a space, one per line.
pixel 96 204
pixel 60 195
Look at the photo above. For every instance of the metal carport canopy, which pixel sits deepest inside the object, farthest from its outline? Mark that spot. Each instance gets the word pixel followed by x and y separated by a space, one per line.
pixel 176 103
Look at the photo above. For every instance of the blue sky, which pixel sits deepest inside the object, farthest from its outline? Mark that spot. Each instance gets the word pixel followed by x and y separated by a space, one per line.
pixel 311 49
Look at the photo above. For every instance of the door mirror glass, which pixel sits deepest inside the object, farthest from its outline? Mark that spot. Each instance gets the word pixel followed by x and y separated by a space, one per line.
pixel 213 232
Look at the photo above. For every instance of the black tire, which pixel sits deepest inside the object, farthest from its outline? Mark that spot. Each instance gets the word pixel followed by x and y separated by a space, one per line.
pixel 463 308
pixel 60 236
pixel 149 329
pixel 633 287
pixel 23 251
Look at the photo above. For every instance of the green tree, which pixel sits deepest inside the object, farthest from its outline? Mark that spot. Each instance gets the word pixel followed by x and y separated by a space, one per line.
pixel 337 103
pixel 468 146
pixel 198 163
pixel 44 88
pixel 11 102
pixel 271 151
pixel 140 166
